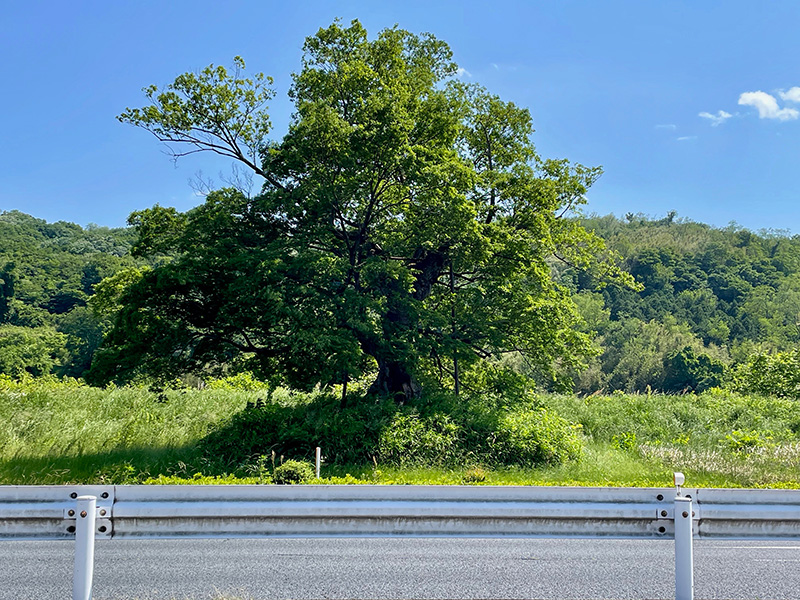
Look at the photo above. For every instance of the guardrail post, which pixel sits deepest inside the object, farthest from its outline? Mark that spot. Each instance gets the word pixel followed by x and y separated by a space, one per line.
pixel 684 559
pixel 84 548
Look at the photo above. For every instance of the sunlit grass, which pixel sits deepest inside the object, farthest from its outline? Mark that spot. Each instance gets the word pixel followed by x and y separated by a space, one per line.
pixel 770 466
pixel 57 433
pixel 66 433
pixel 602 465
pixel 717 439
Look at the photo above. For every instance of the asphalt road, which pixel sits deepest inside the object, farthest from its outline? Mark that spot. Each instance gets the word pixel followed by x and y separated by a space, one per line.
pixel 400 568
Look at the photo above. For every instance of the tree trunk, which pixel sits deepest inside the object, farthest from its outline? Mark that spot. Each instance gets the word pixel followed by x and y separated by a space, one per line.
pixel 394 377
pixel 395 380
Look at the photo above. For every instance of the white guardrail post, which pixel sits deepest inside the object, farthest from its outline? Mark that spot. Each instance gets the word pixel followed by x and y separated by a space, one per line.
pixel 84 548
pixel 684 558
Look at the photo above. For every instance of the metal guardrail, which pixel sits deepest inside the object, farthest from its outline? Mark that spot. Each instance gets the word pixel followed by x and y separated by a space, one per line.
pixel 385 511
pixel 745 513
pixel 42 512
pixel 88 512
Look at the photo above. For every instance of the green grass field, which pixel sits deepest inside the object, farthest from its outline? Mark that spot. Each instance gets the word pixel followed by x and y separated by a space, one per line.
pixel 64 432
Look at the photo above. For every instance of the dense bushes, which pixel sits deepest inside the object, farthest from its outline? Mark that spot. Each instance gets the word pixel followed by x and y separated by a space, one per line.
pixel 293 425
pixel 773 375
pixel 411 439
pixel 534 436
pixel 435 433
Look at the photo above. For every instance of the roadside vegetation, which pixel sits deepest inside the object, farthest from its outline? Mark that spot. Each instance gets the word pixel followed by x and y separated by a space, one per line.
pixel 55 432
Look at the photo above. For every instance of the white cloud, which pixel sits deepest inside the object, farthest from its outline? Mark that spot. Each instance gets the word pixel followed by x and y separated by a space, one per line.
pixel 767 106
pixel 504 67
pixel 717 119
pixel 687 138
pixel 462 72
pixel 793 95
pixel 669 126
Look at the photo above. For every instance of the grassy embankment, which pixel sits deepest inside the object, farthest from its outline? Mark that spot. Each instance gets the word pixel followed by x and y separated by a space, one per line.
pixel 52 433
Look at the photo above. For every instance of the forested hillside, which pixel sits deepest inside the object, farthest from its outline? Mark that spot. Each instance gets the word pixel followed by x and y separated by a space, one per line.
pixel 47 275
pixel 711 299
pixel 714 301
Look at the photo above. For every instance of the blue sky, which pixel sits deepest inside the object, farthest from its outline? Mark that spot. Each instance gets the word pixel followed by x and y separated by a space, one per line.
pixel 689 106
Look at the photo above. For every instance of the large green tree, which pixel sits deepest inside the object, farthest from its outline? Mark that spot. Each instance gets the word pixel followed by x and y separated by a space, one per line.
pixel 406 226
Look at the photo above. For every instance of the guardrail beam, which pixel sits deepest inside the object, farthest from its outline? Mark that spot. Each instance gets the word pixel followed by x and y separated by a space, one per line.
pixel 42 512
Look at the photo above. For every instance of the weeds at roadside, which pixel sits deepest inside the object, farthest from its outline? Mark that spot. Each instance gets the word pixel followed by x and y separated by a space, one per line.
pixel 64 432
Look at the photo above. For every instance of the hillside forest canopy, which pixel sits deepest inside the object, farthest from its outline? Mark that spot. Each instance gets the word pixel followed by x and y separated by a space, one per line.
pixel 407 232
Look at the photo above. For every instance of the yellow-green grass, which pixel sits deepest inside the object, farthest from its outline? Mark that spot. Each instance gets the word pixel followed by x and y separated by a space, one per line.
pixel 64 432
pixel 53 432
pixel 718 439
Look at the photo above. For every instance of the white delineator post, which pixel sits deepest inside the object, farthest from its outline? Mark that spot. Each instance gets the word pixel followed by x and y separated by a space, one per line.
pixel 684 558
pixel 84 548
pixel 319 460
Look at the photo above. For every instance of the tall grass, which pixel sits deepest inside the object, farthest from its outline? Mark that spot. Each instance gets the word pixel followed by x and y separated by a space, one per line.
pixel 718 438
pixel 66 432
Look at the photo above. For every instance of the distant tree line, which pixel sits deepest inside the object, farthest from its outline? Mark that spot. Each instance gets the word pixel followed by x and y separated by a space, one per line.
pixel 711 300
pixel 48 273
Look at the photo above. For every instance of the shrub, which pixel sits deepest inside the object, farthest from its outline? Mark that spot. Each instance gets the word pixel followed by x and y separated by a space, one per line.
pixel 624 441
pixel 240 381
pixel 769 374
pixel 474 475
pixel 293 471
pixel 688 370
pixel 744 441
pixel 536 436
pixel 412 439
pixel 31 350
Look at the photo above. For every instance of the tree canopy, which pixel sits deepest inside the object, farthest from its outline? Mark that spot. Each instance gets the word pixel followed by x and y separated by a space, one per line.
pixel 406 226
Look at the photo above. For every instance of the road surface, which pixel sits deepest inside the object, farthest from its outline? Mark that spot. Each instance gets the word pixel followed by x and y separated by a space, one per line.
pixel 382 568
